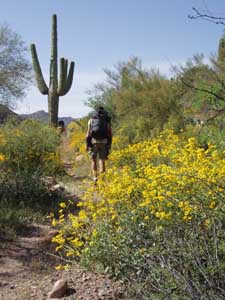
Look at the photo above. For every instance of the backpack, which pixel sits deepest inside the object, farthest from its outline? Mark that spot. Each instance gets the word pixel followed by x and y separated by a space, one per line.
pixel 99 125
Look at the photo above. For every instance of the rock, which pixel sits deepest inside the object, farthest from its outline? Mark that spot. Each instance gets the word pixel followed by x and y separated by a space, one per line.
pixel 58 289
pixel 102 292
pixel 48 181
pixel 3 283
pixel 12 287
pixel 57 188
pixel 79 158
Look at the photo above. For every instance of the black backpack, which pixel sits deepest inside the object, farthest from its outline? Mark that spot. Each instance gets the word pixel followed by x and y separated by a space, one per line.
pixel 99 125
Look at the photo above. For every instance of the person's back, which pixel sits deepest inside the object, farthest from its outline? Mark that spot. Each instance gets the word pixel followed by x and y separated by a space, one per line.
pixel 99 139
pixel 99 126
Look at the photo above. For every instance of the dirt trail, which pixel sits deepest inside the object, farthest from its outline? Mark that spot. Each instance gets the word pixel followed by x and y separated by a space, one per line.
pixel 27 263
pixel 27 271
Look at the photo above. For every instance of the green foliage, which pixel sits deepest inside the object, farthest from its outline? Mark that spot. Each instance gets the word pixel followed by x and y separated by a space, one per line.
pixel 24 197
pixel 178 262
pixel 28 153
pixel 221 50
pixel 203 88
pixel 30 147
pixel 24 189
pixel 15 69
pixel 32 203
pixel 141 102
pixel 12 221
pixel 213 133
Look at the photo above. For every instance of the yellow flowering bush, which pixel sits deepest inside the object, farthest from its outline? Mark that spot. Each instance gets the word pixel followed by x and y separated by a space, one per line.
pixel 52 163
pixel 2 157
pixel 156 219
pixel 77 137
pixel 30 146
pixel 120 140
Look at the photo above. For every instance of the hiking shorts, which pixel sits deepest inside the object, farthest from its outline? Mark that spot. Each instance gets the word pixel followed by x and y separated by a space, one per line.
pixel 99 150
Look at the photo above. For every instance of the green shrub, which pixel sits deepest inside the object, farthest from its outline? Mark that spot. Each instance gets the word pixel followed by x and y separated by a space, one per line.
pixel 28 151
pixel 208 133
pixel 183 261
pixel 22 189
pixel 30 147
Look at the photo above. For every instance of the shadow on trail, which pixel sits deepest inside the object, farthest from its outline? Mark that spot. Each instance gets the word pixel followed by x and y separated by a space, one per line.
pixel 30 252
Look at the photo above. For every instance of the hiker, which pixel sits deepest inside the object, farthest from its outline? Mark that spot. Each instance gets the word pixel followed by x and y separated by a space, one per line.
pixel 61 127
pixel 99 140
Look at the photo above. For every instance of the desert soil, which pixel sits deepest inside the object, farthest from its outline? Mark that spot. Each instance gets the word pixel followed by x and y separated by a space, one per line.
pixel 27 271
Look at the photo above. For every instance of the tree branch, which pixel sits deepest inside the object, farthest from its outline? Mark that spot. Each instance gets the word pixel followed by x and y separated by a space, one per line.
pixel 217 113
pixel 203 90
pixel 206 17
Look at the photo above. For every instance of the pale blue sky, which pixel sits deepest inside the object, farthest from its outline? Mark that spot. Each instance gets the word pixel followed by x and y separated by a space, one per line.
pixel 99 33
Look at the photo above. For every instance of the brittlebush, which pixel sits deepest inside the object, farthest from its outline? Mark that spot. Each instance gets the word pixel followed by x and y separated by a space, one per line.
pixel 156 220
pixel 28 152
pixel 30 146
pixel 77 138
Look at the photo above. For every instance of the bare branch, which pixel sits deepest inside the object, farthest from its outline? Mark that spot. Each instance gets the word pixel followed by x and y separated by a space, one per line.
pixel 217 113
pixel 210 18
pixel 203 90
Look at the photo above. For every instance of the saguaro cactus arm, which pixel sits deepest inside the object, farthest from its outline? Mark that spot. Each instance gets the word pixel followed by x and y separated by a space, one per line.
pixel 69 79
pixel 42 86
pixel 65 85
pixel 62 76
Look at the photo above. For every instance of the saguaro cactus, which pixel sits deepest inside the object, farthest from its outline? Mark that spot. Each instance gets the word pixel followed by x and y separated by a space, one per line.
pixel 56 88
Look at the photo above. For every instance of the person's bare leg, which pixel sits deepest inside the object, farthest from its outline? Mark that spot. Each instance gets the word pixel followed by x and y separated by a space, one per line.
pixel 94 168
pixel 102 165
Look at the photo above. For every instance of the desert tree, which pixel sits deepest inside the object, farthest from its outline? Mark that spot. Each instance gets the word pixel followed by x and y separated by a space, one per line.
pixel 141 101
pixel 15 69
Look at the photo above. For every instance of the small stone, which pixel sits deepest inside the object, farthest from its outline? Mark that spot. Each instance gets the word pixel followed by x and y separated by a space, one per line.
pixel 12 287
pixel 57 187
pixel 58 289
pixel 102 292
pixel 34 287
pixel 79 158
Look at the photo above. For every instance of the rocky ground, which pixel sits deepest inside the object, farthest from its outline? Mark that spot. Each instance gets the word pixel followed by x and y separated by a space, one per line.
pixel 27 271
